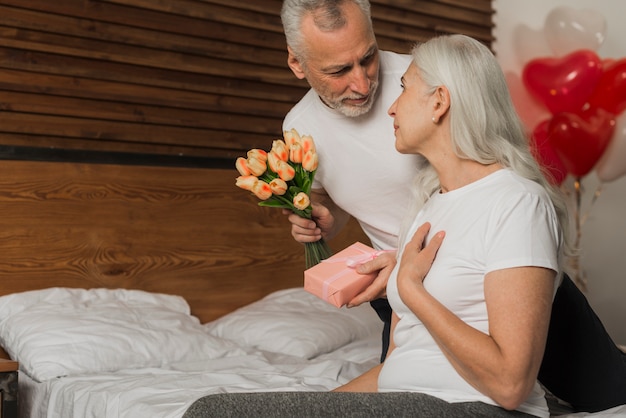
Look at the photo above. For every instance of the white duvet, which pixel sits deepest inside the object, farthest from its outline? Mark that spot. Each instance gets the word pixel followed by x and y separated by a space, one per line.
pixel 116 353
pixel 129 354
pixel 158 392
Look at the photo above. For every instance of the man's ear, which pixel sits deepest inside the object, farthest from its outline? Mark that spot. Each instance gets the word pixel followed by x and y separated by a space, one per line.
pixel 294 64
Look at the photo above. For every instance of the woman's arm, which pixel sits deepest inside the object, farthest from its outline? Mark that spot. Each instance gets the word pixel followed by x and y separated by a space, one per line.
pixel 503 364
pixel 382 265
pixel 368 381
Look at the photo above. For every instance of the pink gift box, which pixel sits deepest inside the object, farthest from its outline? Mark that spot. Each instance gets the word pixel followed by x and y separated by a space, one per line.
pixel 335 279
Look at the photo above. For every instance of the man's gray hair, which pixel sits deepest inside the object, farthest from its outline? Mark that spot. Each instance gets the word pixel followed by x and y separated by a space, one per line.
pixel 328 17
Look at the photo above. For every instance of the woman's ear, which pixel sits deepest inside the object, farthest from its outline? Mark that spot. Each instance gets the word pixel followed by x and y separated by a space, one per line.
pixel 294 64
pixel 442 102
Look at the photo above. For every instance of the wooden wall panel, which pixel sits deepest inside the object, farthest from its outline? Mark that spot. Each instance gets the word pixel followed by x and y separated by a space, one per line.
pixel 200 78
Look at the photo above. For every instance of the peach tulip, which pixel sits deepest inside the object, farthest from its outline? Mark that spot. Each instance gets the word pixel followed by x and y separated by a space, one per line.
pixel 242 166
pixel 307 143
pixel 285 171
pixel 278 186
pixel 301 201
pixel 310 161
pixel 262 190
pixel 256 166
pixel 295 153
pixel 258 154
pixel 273 161
pixel 279 147
pixel 246 182
pixel 291 137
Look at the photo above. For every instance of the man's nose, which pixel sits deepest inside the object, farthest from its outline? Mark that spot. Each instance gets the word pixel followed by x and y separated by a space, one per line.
pixel 360 83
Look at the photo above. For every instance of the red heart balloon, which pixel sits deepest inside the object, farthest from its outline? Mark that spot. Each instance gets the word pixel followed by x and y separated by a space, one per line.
pixel 546 155
pixel 563 84
pixel 610 93
pixel 580 139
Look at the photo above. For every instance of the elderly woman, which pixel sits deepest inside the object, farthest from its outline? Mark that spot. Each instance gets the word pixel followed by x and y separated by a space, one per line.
pixel 472 326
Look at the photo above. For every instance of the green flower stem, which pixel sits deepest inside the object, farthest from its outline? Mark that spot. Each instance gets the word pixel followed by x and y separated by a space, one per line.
pixel 282 202
pixel 315 252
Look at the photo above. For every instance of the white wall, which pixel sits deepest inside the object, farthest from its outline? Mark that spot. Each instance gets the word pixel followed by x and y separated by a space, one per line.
pixel 603 242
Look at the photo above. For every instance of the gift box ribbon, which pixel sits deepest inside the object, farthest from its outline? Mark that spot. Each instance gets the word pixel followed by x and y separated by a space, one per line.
pixel 352 262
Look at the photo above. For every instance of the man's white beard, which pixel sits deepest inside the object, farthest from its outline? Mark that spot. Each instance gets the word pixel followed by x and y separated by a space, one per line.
pixel 354 111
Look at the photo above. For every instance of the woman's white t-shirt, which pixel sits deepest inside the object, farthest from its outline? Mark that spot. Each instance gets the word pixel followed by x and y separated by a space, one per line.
pixel 500 221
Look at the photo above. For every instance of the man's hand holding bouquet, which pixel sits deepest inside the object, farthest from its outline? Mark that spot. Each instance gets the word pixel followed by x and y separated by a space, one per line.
pixel 282 178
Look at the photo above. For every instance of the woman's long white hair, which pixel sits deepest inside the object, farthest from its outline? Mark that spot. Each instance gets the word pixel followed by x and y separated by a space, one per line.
pixel 483 122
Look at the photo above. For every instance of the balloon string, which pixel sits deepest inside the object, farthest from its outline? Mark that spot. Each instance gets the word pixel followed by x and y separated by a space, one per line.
pixel 579 276
pixel 580 220
pixel 595 197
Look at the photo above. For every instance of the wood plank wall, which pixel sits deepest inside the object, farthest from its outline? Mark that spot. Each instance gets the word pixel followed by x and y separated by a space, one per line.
pixel 170 230
pixel 200 78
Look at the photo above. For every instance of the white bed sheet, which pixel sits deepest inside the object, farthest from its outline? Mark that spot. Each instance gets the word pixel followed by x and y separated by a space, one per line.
pixel 160 393
pixel 168 393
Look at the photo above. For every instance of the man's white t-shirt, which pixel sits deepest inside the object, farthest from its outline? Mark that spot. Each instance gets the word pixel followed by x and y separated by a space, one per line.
pixel 359 166
pixel 498 222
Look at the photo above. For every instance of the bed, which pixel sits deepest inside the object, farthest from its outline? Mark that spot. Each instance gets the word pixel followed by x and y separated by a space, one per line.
pixel 110 274
pixel 134 291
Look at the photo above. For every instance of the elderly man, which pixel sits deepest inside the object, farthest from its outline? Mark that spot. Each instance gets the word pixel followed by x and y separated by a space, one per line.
pixel 332 45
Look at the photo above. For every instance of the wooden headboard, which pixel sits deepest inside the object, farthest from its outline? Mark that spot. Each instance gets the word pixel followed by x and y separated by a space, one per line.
pixel 184 231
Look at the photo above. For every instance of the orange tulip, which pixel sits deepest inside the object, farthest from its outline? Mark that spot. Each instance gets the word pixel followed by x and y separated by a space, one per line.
pixel 279 147
pixel 291 137
pixel 262 190
pixel 307 143
pixel 310 161
pixel 273 161
pixel 256 166
pixel 258 154
pixel 242 166
pixel 301 201
pixel 295 153
pixel 285 171
pixel 246 182
pixel 278 186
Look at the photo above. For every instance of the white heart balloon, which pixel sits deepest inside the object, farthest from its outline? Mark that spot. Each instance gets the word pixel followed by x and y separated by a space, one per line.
pixel 612 164
pixel 529 44
pixel 567 30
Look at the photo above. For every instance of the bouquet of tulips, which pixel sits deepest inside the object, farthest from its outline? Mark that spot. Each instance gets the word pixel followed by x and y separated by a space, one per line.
pixel 282 178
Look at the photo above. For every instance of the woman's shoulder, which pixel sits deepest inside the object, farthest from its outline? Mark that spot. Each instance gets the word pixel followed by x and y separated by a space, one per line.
pixel 506 190
pixel 517 182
